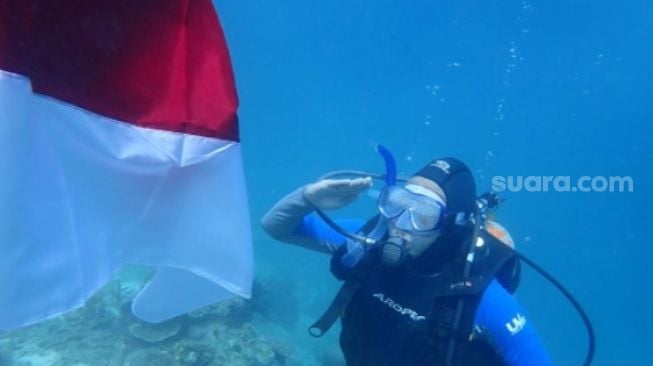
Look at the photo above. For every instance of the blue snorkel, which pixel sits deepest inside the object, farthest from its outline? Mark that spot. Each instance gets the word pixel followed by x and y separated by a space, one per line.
pixel 390 165
pixel 394 250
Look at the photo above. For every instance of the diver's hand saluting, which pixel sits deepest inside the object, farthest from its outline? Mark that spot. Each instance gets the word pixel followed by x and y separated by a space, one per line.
pixel 331 194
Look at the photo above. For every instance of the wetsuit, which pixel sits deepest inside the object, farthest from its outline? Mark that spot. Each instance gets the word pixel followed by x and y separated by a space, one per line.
pixel 393 318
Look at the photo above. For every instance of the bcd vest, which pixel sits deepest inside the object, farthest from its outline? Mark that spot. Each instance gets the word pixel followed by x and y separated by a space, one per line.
pixel 397 317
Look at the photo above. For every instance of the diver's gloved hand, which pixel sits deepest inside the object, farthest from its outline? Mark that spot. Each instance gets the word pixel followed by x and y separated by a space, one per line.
pixel 331 194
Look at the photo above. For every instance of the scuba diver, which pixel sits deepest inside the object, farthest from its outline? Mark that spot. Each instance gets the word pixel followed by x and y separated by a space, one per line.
pixel 427 281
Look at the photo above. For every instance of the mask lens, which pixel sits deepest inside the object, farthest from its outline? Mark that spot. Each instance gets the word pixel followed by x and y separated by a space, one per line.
pixel 418 212
pixel 392 202
pixel 425 217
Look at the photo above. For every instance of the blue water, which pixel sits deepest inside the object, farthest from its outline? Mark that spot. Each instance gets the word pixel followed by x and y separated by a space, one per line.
pixel 512 87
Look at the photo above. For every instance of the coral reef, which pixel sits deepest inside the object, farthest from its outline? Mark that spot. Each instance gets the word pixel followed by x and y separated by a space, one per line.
pixel 154 333
pixel 104 332
pixel 236 310
pixel 149 357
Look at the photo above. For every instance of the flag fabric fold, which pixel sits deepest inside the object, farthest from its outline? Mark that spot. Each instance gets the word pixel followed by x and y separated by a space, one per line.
pixel 118 144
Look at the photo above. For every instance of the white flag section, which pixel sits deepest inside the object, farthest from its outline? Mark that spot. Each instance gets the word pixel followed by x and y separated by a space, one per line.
pixel 82 195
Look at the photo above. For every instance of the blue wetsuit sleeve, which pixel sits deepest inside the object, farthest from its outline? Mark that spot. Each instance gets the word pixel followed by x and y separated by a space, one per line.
pixel 313 227
pixel 504 322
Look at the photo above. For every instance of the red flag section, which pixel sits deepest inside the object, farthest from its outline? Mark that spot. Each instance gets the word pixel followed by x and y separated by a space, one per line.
pixel 143 62
pixel 132 158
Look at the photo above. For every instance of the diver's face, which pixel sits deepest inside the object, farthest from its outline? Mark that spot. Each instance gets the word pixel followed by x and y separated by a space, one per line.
pixel 413 213
pixel 416 244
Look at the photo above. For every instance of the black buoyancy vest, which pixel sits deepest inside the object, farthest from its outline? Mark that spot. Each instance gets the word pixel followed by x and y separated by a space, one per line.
pixel 401 318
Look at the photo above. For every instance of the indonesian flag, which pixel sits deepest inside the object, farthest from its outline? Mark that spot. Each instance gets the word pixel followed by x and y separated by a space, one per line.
pixel 118 144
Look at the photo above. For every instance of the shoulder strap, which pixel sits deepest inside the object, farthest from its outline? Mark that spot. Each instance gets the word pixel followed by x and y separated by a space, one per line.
pixel 338 305
pixel 492 260
pixel 344 295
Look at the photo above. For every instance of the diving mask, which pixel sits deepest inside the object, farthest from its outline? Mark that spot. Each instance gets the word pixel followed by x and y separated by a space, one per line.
pixel 412 208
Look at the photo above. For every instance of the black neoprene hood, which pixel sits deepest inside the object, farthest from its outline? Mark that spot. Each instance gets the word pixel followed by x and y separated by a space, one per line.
pixel 456 181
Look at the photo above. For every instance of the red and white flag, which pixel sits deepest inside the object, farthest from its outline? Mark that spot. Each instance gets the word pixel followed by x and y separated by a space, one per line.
pixel 118 144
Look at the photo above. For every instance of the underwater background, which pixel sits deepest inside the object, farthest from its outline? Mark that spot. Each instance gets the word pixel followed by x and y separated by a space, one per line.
pixel 513 88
